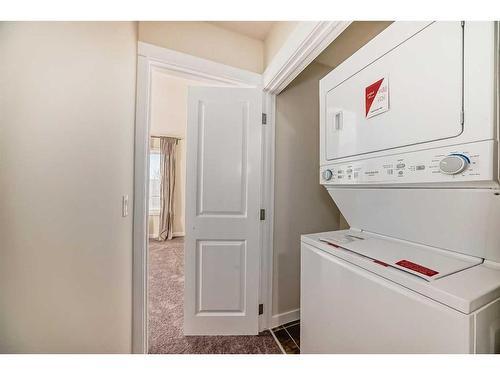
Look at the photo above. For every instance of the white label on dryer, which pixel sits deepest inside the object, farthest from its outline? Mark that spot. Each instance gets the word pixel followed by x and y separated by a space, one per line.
pixel 377 97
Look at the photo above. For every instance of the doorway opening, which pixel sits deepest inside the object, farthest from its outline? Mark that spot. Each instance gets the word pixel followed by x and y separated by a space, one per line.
pixel 166 207
pixel 298 52
pixel 166 227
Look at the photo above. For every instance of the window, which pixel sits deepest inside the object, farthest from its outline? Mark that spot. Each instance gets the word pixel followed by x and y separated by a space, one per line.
pixel 154 182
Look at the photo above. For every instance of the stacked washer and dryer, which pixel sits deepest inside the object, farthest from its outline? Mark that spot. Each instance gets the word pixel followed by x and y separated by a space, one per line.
pixel 409 152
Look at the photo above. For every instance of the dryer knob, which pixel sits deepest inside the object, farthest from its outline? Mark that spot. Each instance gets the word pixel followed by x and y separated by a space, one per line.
pixel 327 174
pixel 454 164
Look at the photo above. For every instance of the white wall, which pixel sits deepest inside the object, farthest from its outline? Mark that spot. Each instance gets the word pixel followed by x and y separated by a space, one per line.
pixel 169 117
pixel 276 38
pixel 206 40
pixel 67 107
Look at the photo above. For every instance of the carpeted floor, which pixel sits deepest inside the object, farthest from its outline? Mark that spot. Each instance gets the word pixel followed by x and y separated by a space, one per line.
pixel 166 288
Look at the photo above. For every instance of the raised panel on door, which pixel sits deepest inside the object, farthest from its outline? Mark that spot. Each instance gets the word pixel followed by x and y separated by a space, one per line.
pixel 222 158
pixel 412 94
pixel 223 291
pixel 222 211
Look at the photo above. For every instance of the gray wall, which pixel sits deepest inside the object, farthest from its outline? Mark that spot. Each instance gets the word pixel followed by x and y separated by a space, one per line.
pixel 302 205
pixel 355 36
pixel 67 107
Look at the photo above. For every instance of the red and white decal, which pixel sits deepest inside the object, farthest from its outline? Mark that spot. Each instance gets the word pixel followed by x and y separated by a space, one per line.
pixel 332 244
pixel 377 98
pixel 417 268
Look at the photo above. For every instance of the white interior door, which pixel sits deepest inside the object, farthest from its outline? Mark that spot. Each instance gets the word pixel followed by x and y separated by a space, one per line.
pixel 223 178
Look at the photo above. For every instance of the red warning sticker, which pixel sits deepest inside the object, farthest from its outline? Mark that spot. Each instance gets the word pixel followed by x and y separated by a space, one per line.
pixel 332 244
pixel 377 98
pixel 381 263
pixel 416 267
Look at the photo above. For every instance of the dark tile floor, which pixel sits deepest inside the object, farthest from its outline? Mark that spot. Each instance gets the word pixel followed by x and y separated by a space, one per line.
pixel 288 336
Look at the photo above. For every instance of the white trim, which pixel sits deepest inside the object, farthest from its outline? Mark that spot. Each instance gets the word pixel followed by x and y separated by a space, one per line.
pixel 175 234
pixel 152 58
pixel 284 318
pixel 305 43
pixel 267 196
pixel 178 137
pixel 186 66
pixel 141 188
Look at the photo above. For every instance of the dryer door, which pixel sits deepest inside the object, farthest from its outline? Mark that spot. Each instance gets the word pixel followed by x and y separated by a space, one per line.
pixel 409 95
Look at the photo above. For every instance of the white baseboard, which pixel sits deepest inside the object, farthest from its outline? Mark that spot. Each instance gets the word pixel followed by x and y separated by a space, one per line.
pixel 284 318
pixel 175 234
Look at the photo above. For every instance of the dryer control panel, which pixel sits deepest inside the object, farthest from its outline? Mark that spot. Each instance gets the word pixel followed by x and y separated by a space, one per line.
pixel 462 163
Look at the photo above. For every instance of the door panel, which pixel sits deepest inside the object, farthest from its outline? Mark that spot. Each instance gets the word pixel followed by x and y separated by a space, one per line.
pixel 412 94
pixel 223 291
pixel 222 253
pixel 216 170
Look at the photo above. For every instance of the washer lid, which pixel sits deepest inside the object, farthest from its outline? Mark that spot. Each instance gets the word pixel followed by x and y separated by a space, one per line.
pixel 463 283
pixel 419 260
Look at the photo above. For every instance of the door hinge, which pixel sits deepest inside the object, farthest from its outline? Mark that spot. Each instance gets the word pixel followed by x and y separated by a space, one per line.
pixel 264 118
pixel 462 23
pixel 262 214
pixel 261 308
pixel 462 118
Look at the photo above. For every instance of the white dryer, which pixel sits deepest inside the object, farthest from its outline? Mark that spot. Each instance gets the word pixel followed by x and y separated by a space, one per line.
pixel 409 153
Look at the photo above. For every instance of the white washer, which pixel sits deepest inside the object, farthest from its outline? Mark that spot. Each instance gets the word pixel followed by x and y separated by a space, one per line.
pixel 409 153
pixel 356 299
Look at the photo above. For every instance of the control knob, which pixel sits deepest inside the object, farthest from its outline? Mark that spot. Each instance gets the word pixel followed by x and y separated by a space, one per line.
pixel 454 164
pixel 327 174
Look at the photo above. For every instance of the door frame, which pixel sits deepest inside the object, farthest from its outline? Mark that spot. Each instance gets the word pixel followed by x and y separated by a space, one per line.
pixel 305 43
pixel 152 58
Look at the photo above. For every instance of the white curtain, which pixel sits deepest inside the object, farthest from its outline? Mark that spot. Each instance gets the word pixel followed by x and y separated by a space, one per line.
pixel 167 171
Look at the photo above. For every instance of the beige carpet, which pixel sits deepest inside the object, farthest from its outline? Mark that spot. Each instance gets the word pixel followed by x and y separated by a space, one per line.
pixel 166 288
